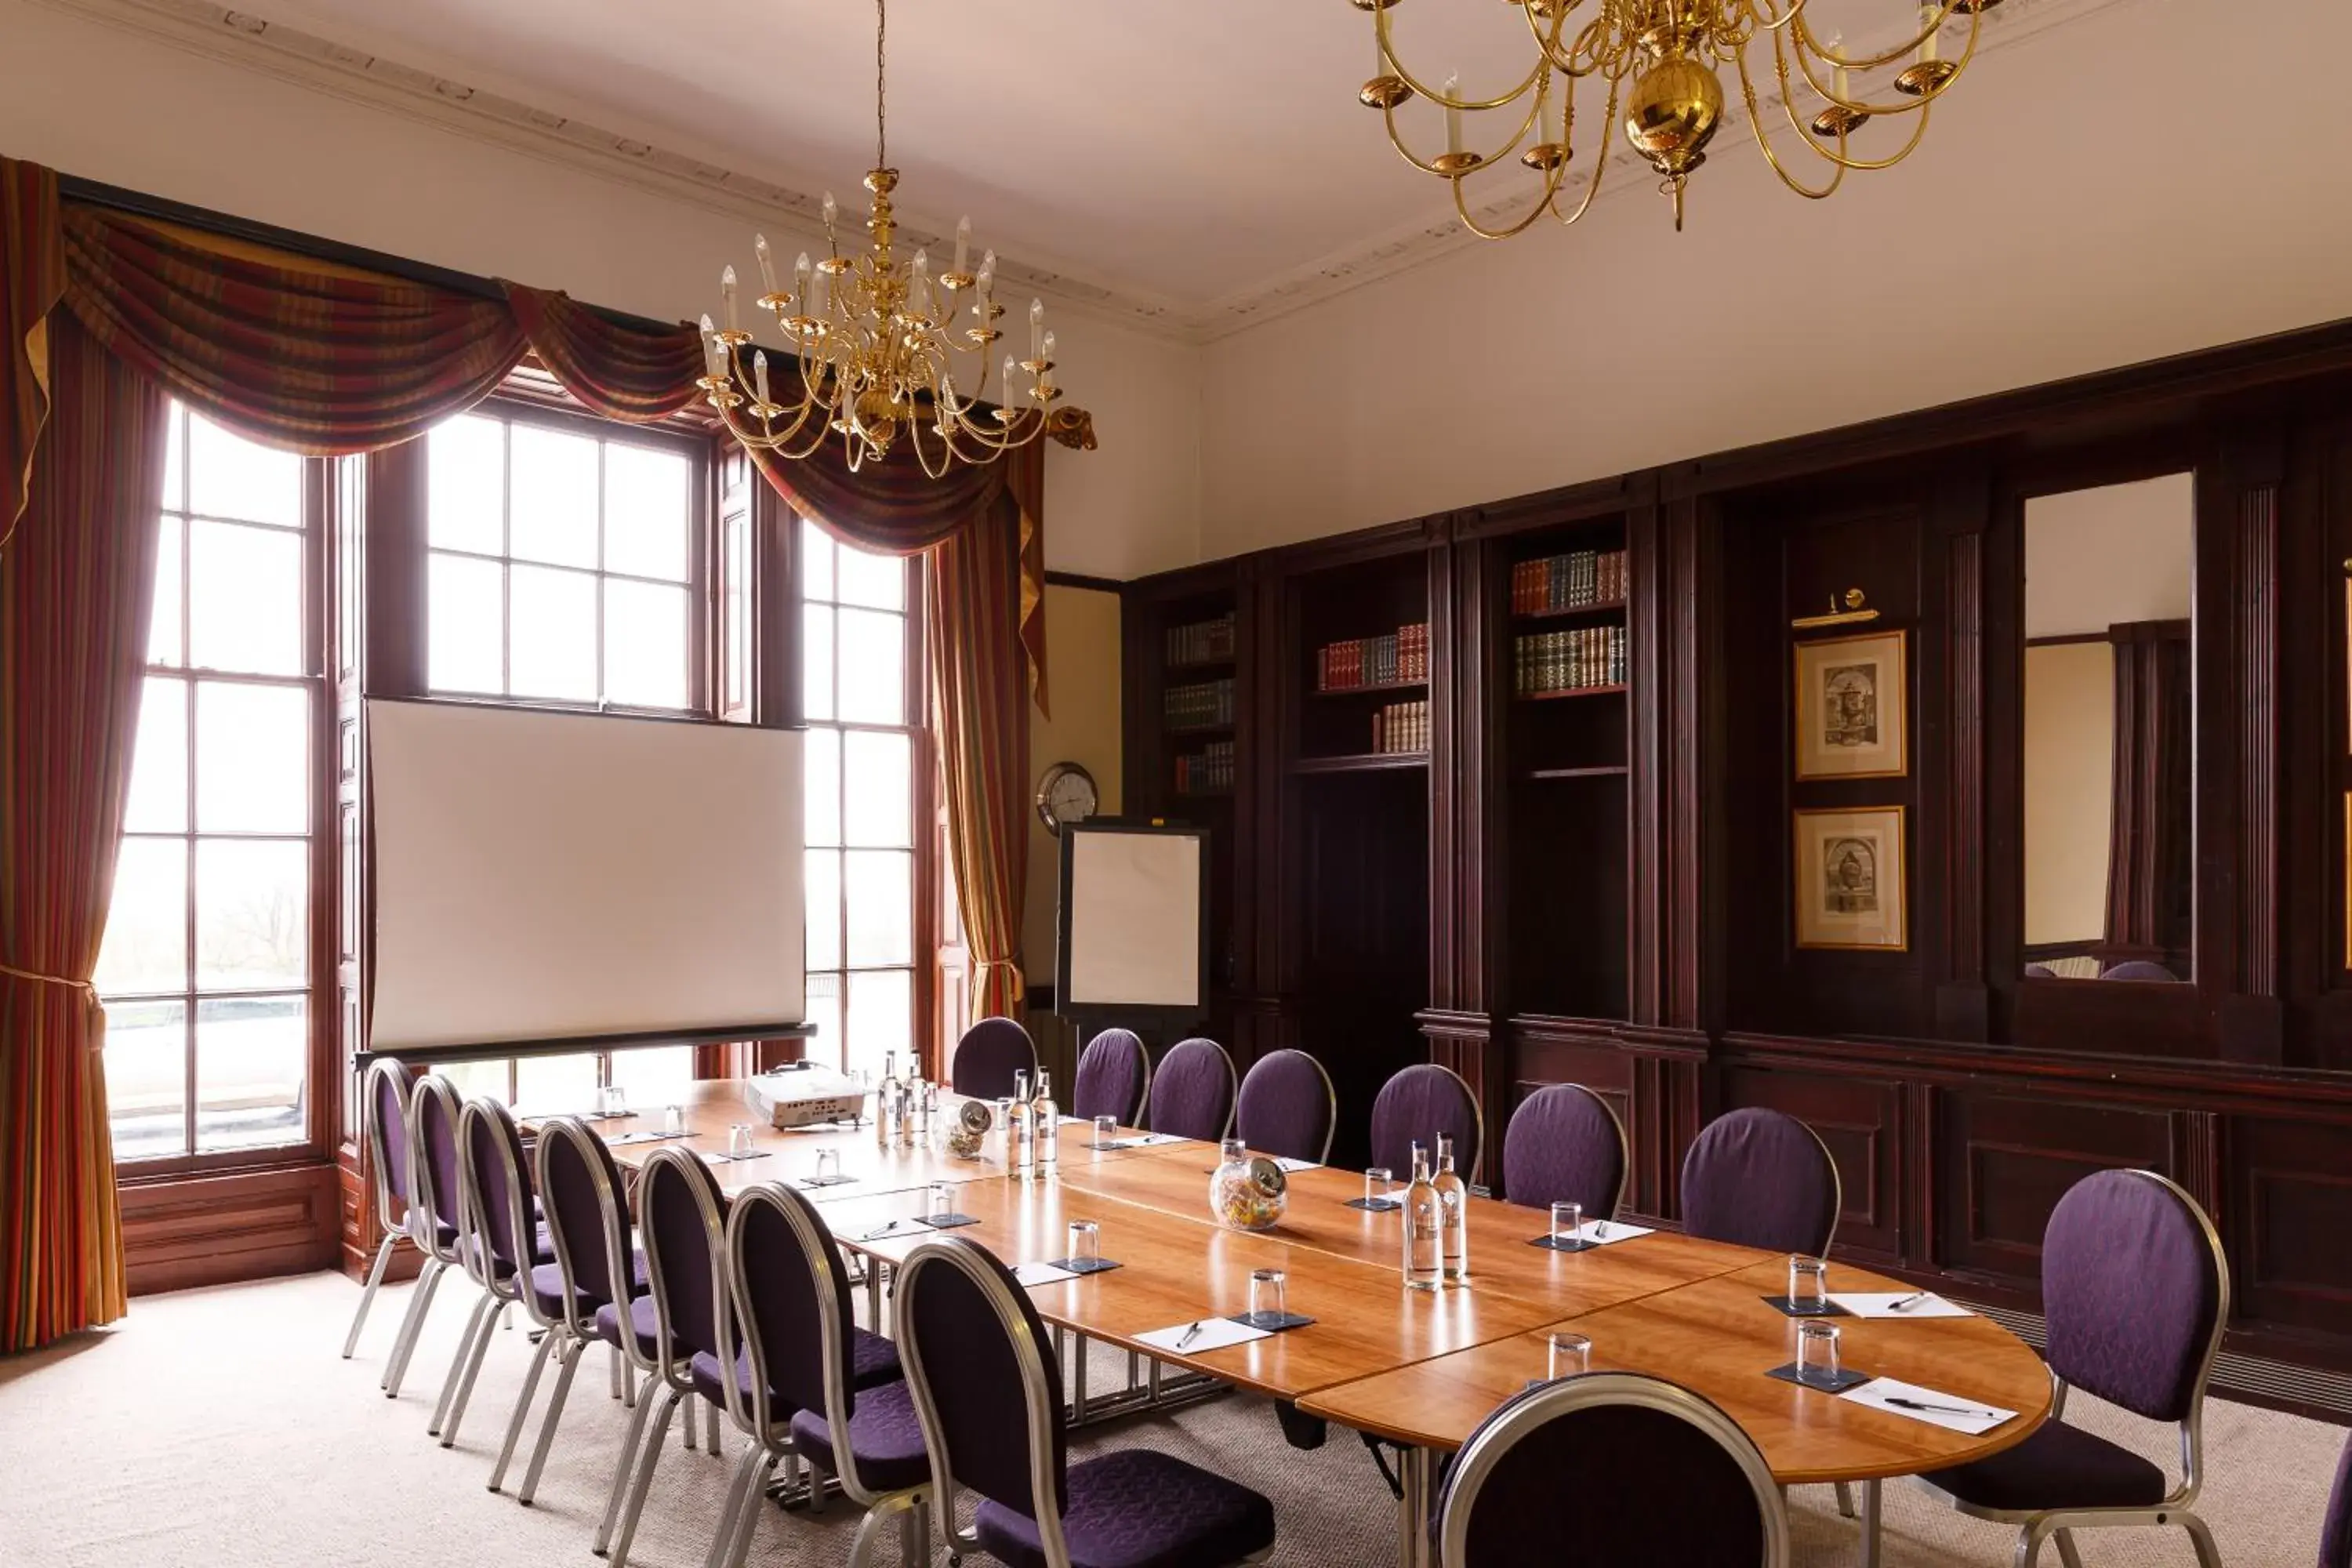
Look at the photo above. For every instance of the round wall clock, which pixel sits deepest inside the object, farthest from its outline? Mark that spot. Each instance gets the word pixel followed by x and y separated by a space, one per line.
pixel 1065 793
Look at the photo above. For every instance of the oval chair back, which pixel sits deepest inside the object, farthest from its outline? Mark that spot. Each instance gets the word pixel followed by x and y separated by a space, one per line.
pixel 584 1195
pixel 1687 1487
pixel 1414 1107
pixel 1288 1107
pixel 681 1216
pixel 386 1102
pixel 433 1169
pixel 1565 1144
pixel 495 1174
pixel 2134 1290
pixel 991 1052
pixel 790 1296
pixel 1761 1178
pixel 2336 1529
pixel 1114 1078
pixel 2139 968
pixel 1192 1092
pixel 987 1389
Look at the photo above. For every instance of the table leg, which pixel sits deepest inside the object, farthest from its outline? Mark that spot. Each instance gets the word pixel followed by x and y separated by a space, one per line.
pixel 1870 1524
pixel 1416 1473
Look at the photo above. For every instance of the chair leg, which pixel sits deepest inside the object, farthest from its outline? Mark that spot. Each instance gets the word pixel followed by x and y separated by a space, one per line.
pixel 476 1326
pixel 473 1372
pixel 411 1327
pixel 621 1469
pixel 548 1346
pixel 869 1530
pixel 710 1429
pixel 645 1478
pixel 2066 1552
pixel 722 1543
pixel 2201 1535
pixel 2029 1545
pixel 367 1296
pixel 613 1363
pixel 572 1355
pixel 1846 1501
pixel 746 1524
pixel 915 1528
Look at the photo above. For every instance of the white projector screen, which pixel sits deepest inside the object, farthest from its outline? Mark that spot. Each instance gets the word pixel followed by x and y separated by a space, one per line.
pixel 1131 918
pixel 544 875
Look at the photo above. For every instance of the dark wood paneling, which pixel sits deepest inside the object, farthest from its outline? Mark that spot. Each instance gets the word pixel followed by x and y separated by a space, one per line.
pixel 212 1229
pixel 2290 1212
pixel 2003 1160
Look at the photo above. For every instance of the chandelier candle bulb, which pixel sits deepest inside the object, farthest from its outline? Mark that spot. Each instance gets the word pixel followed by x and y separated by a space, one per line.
pixel 714 357
pixel 1006 412
pixel 1036 328
pixel 760 375
pixel 963 243
pixel 727 298
pixel 1834 45
pixel 1453 113
pixel 767 264
pixel 1931 18
pixel 987 274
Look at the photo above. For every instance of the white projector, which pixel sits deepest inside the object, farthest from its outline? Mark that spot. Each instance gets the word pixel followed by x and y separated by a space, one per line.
pixel 802 1094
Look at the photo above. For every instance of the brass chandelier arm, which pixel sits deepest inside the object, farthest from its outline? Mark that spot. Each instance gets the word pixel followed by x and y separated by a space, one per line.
pixel 1484 161
pixel 1945 10
pixel 1436 95
pixel 1599 168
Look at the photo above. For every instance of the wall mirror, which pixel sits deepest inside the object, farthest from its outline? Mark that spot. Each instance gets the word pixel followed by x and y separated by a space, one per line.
pixel 2109 741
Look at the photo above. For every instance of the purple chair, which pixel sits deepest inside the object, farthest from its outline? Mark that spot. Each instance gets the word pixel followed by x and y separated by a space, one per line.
pixel 1114 1078
pixel 2135 1291
pixel 988 1393
pixel 384 1110
pixel 2335 1530
pixel 1565 1146
pixel 1288 1107
pixel 506 1245
pixel 2140 969
pixel 2040 972
pixel 991 1052
pixel 1192 1092
pixel 1762 1179
pixel 1687 1487
pixel 438 1167
pixel 1418 1104
pixel 681 1215
pixel 805 1391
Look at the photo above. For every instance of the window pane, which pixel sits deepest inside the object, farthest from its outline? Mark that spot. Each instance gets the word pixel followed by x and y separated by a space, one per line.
pixel 825 1012
pixel 147 1078
pixel 878 581
pixel 231 477
pixel 645 644
pixel 645 511
pixel 872 668
pixel 175 460
pixel 876 773
pixel 159 762
pixel 657 1075
pixel 557 1083
pixel 816 561
pixel 881 906
pixel 466 479
pixel 735 585
pixel 816 661
pixel 253 755
pixel 146 946
pixel 244 598
pixel 822 788
pixel 465 626
pixel 164 626
pixel 821 893
pixel 470 1079
pixel 251 1057
pixel 553 507
pixel 253 909
pixel 881 1017
pixel 554 653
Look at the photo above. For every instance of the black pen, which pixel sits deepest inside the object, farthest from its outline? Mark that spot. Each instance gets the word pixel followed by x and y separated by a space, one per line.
pixel 1901 1404
pixel 1190 1335
pixel 877 1235
pixel 1908 1302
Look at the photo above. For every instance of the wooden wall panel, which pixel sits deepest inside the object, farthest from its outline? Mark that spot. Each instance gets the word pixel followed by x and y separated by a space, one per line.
pixel 2288 1220
pixel 2003 1159
pixel 212 1229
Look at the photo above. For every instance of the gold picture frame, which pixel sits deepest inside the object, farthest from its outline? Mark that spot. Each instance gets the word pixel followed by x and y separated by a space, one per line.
pixel 1853 707
pixel 1852 882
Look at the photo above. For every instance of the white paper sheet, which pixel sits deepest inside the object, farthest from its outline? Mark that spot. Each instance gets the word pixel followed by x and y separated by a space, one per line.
pixel 1607 1232
pixel 1884 1304
pixel 1950 1411
pixel 1040 1274
pixel 1144 1141
pixel 1288 1163
pixel 1215 1334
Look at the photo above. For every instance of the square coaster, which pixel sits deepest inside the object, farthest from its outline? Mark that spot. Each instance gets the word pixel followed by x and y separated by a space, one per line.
pixel 1376 1206
pixel 945 1221
pixel 1565 1244
pixel 1269 1322
pixel 1085 1265
pixel 1847 1378
pixel 1781 1305
pixel 1114 1143
pixel 824 1181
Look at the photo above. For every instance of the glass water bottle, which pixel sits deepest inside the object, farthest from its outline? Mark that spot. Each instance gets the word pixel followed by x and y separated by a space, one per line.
pixel 1424 1266
pixel 1453 1214
pixel 887 1108
pixel 1020 1152
pixel 1045 1126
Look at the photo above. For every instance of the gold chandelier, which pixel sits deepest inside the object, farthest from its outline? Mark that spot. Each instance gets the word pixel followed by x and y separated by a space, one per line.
pixel 1661 60
pixel 873 344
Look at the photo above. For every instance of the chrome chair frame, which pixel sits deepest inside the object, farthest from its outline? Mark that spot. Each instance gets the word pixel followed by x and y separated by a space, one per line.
pixel 482 1267
pixel 1330 1097
pixel 426 1203
pixel 771 1438
pixel 1492 1442
pixel 379 1144
pixel 464 1253
pixel 2035 1526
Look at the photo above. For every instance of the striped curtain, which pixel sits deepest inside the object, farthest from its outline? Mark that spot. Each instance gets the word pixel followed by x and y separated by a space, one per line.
pixel 75 587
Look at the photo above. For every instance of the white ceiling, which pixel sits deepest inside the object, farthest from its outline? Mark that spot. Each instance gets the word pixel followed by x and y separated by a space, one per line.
pixel 2103 557
pixel 1189 157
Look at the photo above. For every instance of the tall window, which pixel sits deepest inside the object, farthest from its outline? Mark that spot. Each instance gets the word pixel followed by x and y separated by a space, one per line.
pixel 207 961
pixel 861 806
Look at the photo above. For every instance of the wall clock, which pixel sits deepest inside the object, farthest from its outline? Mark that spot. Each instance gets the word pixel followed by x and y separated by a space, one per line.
pixel 1065 793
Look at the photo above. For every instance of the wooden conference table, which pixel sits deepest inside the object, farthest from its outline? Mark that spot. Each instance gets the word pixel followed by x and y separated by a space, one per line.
pixel 1421 1369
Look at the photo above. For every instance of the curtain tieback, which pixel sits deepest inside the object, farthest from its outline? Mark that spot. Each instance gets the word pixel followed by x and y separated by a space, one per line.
pixel 88 990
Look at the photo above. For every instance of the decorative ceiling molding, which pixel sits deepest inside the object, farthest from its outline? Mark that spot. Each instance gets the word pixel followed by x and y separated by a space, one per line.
pixel 241 38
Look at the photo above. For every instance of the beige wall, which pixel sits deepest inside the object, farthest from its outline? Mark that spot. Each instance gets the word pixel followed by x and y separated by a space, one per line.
pixel 2070 736
pixel 1082 665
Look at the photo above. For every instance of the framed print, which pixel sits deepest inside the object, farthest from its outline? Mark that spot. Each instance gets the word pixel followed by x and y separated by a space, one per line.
pixel 1851 891
pixel 1852 708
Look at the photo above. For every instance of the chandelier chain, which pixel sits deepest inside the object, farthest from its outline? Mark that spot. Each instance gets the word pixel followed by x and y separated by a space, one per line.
pixel 881 127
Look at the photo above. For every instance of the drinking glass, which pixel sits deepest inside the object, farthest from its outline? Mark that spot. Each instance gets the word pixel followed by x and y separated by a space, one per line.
pixel 1377 1183
pixel 828 1164
pixel 1567 1219
pixel 1817 1353
pixel 1568 1356
pixel 613 1100
pixel 942 1201
pixel 674 1121
pixel 1808 1284
pixel 738 1141
pixel 1232 1152
pixel 1085 1240
pixel 1106 1130
pixel 1266 1292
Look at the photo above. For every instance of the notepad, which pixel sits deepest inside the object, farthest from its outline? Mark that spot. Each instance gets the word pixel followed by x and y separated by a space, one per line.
pixel 1950 1411
pixel 1608 1232
pixel 1214 1333
pixel 1140 1141
pixel 1884 1304
pixel 646 1138
pixel 1041 1273
pixel 1288 1163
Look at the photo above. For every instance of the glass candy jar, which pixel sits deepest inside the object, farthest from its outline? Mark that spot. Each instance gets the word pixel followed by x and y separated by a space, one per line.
pixel 1245 1193
pixel 969 1133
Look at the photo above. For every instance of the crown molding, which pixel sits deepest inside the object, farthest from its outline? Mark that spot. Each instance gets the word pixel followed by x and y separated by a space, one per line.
pixel 242 39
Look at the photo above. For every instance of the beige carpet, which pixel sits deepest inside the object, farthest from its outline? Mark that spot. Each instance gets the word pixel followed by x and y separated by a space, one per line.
pixel 219 1429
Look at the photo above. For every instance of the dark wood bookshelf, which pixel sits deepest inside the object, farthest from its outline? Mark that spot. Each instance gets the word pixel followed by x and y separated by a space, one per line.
pixel 1385 686
pixel 1199 667
pixel 1618 689
pixel 1566 611
pixel 1193 729
pixel 1613 770
pixel 1361 763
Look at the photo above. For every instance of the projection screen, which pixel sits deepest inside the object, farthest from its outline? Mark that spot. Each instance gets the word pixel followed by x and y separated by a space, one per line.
pixel 546 875
pixel 1132 917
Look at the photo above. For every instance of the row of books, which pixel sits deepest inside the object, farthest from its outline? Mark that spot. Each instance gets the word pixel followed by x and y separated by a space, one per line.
pixel 1402 727
pixel 1568 661
pixel 1209 773
pixel 1199 706
pixel 1568 581
pixel 1402 655
pixel 1202 641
